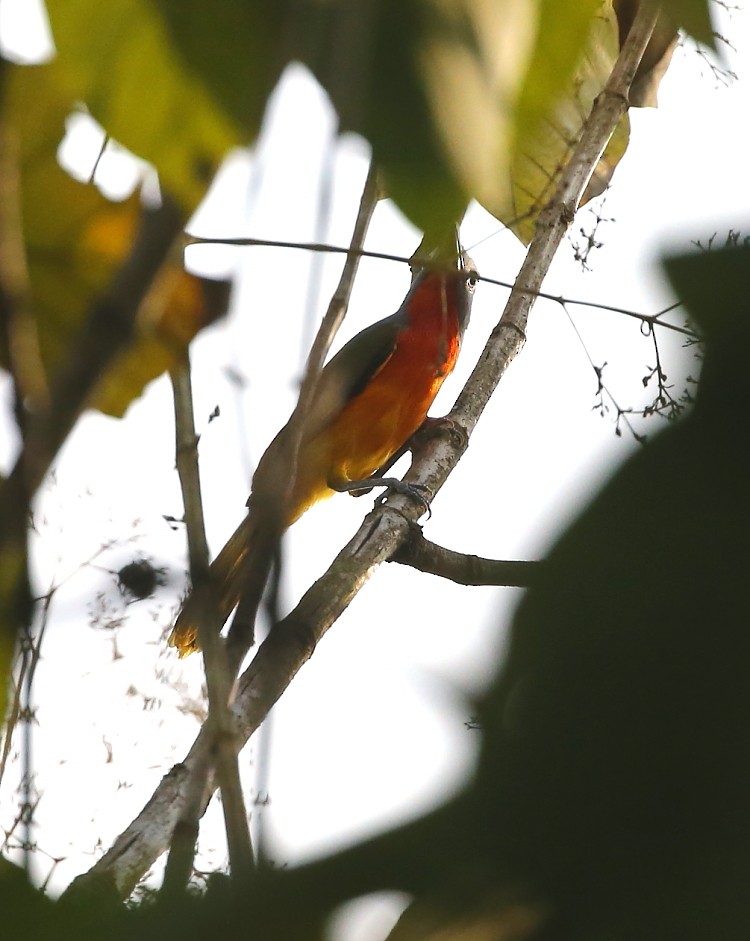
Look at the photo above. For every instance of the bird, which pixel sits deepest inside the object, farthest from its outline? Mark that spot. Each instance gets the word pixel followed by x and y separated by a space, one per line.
pixel 370 399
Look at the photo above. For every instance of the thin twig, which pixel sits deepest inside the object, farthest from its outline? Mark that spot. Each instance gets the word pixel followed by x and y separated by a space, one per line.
pixel 323 211
pixel 218 679
pixel 654 319
pixel 602 389
pixel 271 504
pixel 28 659
pixel 102 150
pixel 266 536
pixel 322 221
pixel 248 241
pixel 20 339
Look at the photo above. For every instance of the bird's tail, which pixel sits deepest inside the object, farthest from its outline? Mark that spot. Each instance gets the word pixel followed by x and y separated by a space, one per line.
pixel 227 575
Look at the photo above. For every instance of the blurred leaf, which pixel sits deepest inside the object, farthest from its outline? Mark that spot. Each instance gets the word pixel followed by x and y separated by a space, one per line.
pixel 693 16
pixel 73 251
pixel 177 307
pixel 468 98
pixel 451 94
pixel 553 110
pixel 485 914
pixel 178 83
pixel 615 756
pixel 459 99
pixel 551 122
pixel 655 59
pixel 233 49
pixel 715 285
pixel 365 53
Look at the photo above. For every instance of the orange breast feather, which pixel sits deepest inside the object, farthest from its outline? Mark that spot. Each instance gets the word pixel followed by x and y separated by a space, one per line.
pixel 394 403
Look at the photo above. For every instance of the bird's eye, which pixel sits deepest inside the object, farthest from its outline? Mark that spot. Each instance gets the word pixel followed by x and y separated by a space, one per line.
pixel 471 279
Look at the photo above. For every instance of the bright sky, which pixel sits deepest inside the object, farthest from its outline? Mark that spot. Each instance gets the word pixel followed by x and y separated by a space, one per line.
pixel 372 729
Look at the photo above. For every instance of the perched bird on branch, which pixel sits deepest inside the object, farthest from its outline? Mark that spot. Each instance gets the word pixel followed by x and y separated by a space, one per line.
pixel 370 399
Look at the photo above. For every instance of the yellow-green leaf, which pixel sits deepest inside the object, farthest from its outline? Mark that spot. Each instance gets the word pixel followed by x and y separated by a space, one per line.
pixel 467 98
pixel 550 122
pixel 177 307
pixel 367 56
pixel 178 83
pixel 75 239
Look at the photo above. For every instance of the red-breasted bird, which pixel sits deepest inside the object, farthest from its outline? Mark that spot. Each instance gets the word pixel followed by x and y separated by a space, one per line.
pixel 370 399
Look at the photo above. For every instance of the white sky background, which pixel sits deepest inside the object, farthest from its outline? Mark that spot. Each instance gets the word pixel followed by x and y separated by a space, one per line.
pixel 372 729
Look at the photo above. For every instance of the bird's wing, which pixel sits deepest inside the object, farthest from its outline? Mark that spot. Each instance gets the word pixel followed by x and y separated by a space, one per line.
pixel 351 370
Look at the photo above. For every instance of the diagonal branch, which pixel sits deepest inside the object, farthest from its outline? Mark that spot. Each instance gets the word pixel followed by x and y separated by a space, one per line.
pixel 293 640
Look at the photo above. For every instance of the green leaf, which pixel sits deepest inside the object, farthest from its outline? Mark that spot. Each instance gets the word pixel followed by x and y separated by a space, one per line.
pixel 556 98
pixel 232 48
pixel 177 83
pixel 73 251
pixel 694 17
pixel 178 305
pixel 366 54
pixel 459 99
pixel 466 99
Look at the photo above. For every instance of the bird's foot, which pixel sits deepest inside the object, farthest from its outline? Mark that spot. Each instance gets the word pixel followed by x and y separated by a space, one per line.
pixel 444 425
pixel 417 492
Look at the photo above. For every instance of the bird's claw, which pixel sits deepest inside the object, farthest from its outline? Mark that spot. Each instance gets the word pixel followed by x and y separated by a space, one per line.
pixel 417 492
pixel 445 425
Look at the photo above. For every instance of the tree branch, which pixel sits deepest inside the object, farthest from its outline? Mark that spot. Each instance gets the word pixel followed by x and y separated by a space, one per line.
pixel 119 870
pixel 270 505
pixel 218 677
pixel 460 567
pixel 292 641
